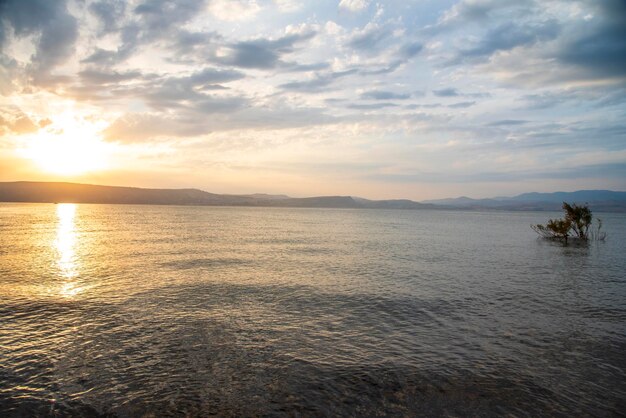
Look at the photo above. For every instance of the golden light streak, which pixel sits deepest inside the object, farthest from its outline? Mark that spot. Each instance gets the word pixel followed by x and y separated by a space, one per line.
pixel 65 244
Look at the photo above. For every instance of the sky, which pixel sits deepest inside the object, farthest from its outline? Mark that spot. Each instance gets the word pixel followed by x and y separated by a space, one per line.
pixel 415 99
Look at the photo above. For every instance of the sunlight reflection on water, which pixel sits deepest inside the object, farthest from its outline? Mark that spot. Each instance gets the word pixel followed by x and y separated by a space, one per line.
pixel 65 246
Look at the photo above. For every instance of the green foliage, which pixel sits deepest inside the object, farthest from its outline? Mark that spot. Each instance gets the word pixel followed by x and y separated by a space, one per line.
pixel 578 220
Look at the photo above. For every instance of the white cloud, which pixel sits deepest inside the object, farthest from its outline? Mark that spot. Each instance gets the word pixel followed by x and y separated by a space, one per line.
pixel 288 6
pixel 353 5
pixel 233 10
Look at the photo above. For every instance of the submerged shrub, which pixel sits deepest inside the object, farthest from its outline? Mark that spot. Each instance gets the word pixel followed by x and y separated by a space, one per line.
pixel 577 220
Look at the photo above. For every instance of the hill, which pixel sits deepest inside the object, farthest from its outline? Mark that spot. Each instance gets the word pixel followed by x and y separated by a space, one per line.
pixel 54 192
pixel 598 200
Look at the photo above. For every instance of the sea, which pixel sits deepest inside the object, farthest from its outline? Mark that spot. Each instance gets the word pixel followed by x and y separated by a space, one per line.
pixel 181 311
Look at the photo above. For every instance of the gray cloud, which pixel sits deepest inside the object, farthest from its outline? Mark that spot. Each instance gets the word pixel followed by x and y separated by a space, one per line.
pixel 447 92
pixel 508 36
pixel 319 83
pixel 600 51
pixel 109 13
pixel 370 38
pixel 408 51
pixel 92 76
pixel 588 47
pixel 57 31
pixel 423 106
pixel 461 105
pixel 261 53
pixel 372 106
pixel 152 20
pixel 188 92
pixel 484 10
pixel 384 95
pixel 295 67
pixel 508 122
pixel 188 46
pixel 402 56
pixel 158 16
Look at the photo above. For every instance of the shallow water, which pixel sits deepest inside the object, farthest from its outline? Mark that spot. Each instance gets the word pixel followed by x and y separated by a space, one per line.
pixel 195 311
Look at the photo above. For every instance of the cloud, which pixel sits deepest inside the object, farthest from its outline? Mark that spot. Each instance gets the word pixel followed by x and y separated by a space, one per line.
pixel 508 122
pixel 396 60
pixel 600 49
pixel 14 121
pixel 372 106
pixel 484 10
pixel 109 13
pixel 409 50
pixel 384 95
pixel 149 21
pixel 234 10
pixel 317 84
pixel 157 16
pixel 50 21
pixel 181 124
pixel 295 67
pixel 10 72
pixel 194 47
pixel 44 122
pixel 189 92
pixel 143 127
pixel 92 76
pixel 260 53
pixel 370 38
pixel 528 44
pixel 461 105
pixel 508 36
pixel 447 92
pixel 288 6
pixel 353 5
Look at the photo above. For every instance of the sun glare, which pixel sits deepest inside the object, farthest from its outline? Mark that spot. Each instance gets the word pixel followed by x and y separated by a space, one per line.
pixel 68 148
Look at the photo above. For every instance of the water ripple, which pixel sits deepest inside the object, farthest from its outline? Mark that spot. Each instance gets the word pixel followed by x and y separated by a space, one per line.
pixel 164 311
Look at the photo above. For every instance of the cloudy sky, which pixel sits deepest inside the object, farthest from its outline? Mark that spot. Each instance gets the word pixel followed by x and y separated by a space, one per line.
pixel 392 99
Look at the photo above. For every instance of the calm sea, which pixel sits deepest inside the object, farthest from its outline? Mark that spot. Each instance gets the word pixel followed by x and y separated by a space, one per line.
pixel 137 311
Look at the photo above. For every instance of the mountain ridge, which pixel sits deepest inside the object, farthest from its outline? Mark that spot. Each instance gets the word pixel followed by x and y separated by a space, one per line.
pixel 603 200
pixel 64 192
pixel 60 192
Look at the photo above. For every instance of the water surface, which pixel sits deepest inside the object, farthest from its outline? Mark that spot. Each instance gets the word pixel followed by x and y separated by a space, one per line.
pixel 194 311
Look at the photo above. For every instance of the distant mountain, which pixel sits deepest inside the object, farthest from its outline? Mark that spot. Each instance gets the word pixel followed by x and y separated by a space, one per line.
pixel 264 196
pixel 598 200
pixel 578 196
pixel 391 204
pixel 50 192
pixel 87 193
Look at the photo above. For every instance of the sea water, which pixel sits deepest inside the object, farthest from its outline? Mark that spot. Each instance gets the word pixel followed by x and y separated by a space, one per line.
pixel 129 311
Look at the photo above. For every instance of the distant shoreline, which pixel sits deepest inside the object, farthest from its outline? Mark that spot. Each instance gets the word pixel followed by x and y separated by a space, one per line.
pixel 61 192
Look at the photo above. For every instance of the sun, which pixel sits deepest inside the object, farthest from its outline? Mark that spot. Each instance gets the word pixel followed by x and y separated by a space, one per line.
pixel 68 148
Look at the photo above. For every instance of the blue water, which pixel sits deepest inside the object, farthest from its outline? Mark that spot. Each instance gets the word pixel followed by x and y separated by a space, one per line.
pixel 194 311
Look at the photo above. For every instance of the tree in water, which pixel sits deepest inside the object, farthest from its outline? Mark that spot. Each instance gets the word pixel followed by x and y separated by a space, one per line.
pixel 578 219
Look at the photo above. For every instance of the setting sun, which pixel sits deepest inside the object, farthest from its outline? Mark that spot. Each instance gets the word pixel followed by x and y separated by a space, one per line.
pixel 68 147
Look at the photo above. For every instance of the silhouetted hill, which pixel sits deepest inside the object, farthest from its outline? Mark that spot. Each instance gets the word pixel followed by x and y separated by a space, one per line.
pixel 51 192
pixel 54 192
pixel 598 200
pixel 87 193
